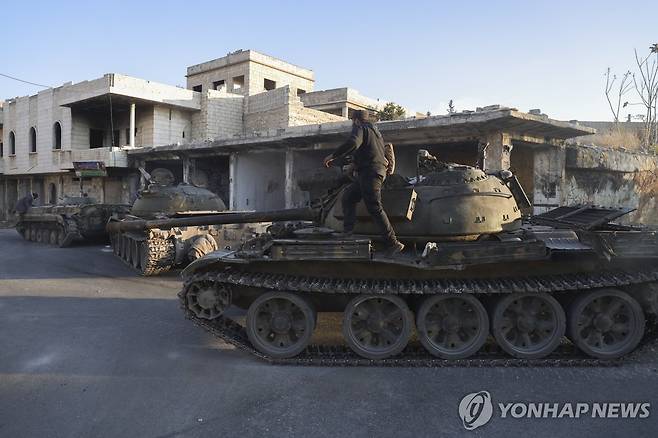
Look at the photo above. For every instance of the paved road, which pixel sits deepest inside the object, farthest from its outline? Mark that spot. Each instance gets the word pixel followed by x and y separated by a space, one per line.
pixel 89 349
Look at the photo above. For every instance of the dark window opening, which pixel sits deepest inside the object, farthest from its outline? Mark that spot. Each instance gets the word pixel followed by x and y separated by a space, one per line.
pixel 183 134
pixel 197 88
pixel 33 139
pixel 12 143
pixel 2 149
pixel 238 82
pixel 300 92
pixel 169 113
pixel 269 84
pixel 57 136
pixel 218 84
pixel 96 138
pixel 115 138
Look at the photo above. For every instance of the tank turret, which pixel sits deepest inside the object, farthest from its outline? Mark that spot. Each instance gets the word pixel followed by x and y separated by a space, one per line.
pixel 169 240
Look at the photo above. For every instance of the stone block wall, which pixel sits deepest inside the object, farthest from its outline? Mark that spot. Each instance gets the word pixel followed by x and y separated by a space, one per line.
pixel 612 178
pixel 280 108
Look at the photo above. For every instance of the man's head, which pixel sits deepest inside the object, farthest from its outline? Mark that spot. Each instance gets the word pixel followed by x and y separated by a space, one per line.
pixel 35 195
pixel 361 116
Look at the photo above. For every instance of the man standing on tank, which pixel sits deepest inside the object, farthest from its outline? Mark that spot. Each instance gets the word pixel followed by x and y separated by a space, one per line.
pixel 366 146
pixel 24 204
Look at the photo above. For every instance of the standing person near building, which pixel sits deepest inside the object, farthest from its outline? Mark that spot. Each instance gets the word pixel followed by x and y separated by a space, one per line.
pixel 366 146
pixel 24 204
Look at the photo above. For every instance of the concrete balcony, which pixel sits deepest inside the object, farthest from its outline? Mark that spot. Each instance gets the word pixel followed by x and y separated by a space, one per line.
pixel 112 157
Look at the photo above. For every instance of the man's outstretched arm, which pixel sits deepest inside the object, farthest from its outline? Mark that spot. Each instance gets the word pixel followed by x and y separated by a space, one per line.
pixel 352 143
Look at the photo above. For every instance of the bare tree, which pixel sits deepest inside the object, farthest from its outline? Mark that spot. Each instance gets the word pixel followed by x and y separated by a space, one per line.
pixel 646 86
pixel 625 85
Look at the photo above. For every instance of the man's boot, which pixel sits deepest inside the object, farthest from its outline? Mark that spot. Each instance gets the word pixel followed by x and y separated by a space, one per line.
pixel 394 248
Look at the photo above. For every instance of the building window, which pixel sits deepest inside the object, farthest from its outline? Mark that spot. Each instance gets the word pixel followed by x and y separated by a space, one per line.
pixel 300 92
pixel 2 150
pixel 57 136
pixel 33 139
pixel 96 138
pixel 218 84
pixel 238 82
pixel 197 88
pixel 269 84
pixel 12 143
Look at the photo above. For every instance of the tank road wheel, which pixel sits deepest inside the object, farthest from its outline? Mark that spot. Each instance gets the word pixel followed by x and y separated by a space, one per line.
pixel 126 249
pixel 39 236
pixel 452 326
pixel 135 254
pixel 606 324
pixel 61 236
pixel 122 247
pixel 115 242
pixel 207 300
pixel 23 231
pixel 528 326
pixel 33 234
pixel 377 326
pixel 280 324
pixel 53 236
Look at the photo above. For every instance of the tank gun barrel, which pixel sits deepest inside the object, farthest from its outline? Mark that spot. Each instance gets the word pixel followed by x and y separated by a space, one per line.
pixel 295 214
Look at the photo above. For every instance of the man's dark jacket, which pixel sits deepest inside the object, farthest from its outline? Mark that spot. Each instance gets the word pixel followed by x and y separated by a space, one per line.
pixel 24 204
pixel 367 147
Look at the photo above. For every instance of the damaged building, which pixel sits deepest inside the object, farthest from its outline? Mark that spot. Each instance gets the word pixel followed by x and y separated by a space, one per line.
pixel 248 126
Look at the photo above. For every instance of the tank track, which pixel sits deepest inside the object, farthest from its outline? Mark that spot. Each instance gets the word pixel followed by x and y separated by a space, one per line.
pixel 159 257
pixel 413 356
pixel 70 230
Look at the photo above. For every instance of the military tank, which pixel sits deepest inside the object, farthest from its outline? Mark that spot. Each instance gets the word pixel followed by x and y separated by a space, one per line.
pixel 477 282
pixel 74 218
pixel 155 250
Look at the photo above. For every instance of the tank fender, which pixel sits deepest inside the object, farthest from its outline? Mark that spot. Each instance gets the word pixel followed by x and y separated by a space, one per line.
pixel 205 261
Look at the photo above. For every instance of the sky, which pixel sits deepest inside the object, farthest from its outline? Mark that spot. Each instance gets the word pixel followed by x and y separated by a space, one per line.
pixel 550 55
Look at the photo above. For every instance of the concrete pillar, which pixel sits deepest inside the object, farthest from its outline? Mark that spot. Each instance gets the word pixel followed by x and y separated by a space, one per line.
pixel 344 111
pixel 549 174
pixel 497 152
pixel 187 164
pixel 131 134
pixel 289 185
pixel 232 186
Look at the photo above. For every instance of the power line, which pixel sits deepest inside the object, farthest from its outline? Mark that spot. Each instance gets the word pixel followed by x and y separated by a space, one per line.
pixel 21 80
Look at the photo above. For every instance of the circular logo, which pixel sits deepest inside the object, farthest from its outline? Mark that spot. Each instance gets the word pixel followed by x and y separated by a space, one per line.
pixel 475 409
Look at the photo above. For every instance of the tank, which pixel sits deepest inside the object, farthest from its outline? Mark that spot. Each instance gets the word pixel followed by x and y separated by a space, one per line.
pixel 71 219
pixel 155 250
pixel 478 282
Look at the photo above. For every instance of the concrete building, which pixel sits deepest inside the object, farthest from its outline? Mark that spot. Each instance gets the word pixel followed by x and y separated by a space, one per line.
pixel 340 101
pixel 248 72
pixel 249 125
pixel 100 120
